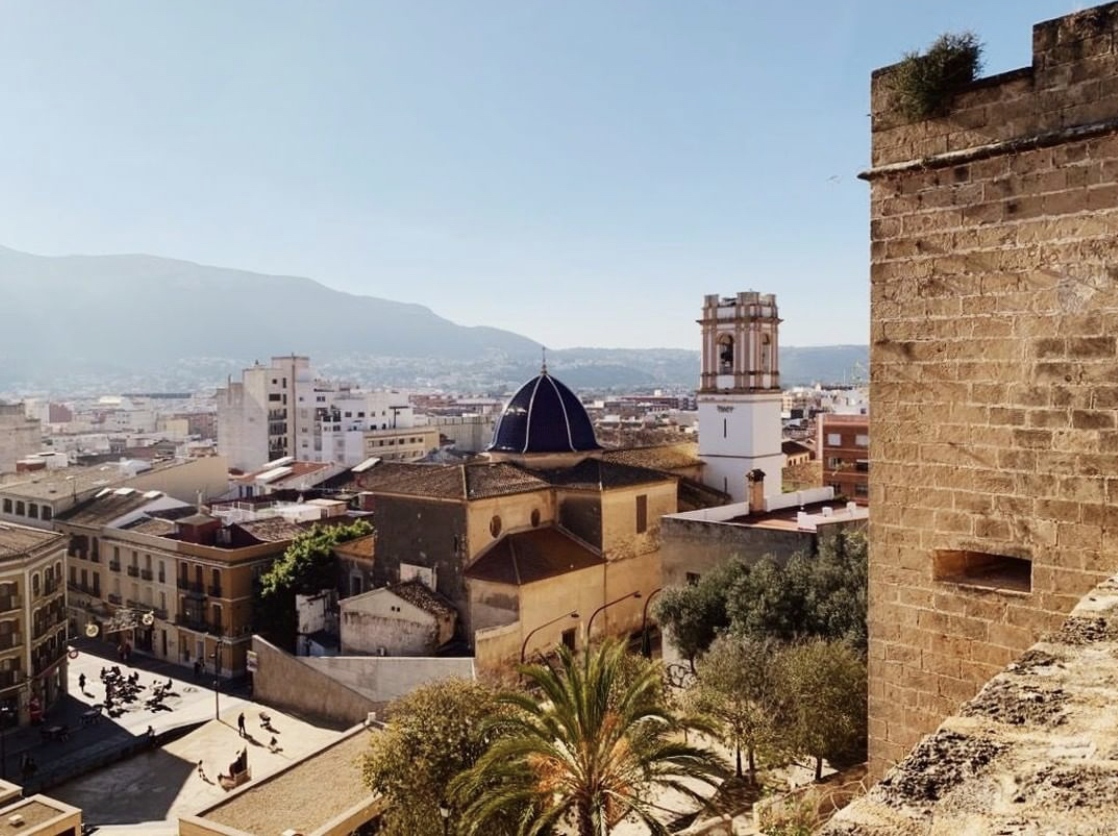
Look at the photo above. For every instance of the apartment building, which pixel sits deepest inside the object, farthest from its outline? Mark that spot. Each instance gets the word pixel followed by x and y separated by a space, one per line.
pixel 171 582
pixel 32 621
pixel 844 445
pixel 282 410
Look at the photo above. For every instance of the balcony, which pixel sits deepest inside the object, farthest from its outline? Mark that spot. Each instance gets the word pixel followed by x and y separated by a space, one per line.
pixel 160 613
pixel 214 591
pixel 12 602
pixel 133 571
pixel 146 574
pixel 114 565
pixel 192 623
pixel 163 577
pixel 114 598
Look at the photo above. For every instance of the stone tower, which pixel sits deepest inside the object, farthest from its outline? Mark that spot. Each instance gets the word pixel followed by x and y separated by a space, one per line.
pixel 739 393
pixel 994 328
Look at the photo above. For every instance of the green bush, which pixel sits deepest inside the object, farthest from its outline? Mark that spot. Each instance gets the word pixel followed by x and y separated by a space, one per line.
pixel 924 83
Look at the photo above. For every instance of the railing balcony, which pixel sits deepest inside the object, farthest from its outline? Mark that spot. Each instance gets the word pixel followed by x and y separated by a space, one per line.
pixel 182 583
pixel 146 574
pixel 114 565
pixel 192 623
pixel 159 612
pixel 133 571
pixel 215 591
pixel 163 577
pixel 114 598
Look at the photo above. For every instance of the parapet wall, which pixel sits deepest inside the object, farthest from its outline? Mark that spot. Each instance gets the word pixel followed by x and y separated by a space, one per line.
pixel 994 373
pixel 1073 81
pixel 1035 752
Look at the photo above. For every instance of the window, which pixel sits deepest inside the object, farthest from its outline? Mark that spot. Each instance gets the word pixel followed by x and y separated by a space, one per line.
pixel 568 639
pixel 834 439
pixel 47 512
pixel 33 511
pixel 862 440
pixel 766 353
pixel 35 584
pixel 692 578
pixel 20 512
pixel 7 506
pixel 495 526
pixel 724 428
pixel 642 513
pixel 861 489
pixel 535 517
pixel 987 571
pixel 835 463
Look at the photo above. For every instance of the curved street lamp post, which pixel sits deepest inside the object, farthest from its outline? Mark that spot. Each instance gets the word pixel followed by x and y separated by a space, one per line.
pixel 590 623
pixel 528 638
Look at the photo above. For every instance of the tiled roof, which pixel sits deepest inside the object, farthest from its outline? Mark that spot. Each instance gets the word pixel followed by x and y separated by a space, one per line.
pixel 416 594
pixel 544 416
pixel 17 539
pixel 430 480
pixel 529 556
pixel 271 529
pixel 104 508
pixel 596 474
pixel 457 481
pixel 498 479
pixel 795 448
pixel 657 457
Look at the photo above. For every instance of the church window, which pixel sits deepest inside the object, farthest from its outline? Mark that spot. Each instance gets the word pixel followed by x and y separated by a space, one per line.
pixel 535 517
pixel 725 354
pixel 642 513
pixel 495 526
pixel 766 354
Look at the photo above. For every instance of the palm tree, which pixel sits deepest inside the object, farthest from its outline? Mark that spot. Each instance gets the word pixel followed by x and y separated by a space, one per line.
pixel 588 754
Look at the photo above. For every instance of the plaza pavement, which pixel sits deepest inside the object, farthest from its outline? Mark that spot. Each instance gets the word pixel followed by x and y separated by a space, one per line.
pixel 127 785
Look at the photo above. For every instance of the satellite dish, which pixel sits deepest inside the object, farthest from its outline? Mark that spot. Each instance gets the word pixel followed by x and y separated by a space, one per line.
pixel 148 619
pixel 92 630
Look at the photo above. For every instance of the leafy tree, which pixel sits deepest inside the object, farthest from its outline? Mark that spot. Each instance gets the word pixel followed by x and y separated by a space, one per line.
pixel 694 614
pixel 736 689
pixel 307 566
pixel 821 596
pixel 435 732
pixel 823 685
pixel 586 755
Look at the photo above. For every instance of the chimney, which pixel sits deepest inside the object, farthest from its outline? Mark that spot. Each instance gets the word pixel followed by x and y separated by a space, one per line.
pixel 755 488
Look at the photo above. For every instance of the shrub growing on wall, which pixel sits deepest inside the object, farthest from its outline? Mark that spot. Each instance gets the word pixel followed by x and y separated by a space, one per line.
pixel 924 83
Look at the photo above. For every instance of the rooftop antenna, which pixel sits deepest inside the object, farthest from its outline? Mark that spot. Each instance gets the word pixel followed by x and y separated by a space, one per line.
pixel 543 352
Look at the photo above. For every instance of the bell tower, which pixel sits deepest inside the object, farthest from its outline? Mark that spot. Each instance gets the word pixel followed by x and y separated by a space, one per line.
pixel 739 393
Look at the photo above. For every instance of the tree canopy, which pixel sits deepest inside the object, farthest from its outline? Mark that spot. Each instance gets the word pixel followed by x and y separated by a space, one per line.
pixel 307 566
pixel 588 754
pixel 434 733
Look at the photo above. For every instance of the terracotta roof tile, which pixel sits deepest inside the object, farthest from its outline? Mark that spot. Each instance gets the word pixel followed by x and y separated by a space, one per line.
pixel 657 457
pixel 17 539
pixel 596 474
pixel 415 593
pixel 529 556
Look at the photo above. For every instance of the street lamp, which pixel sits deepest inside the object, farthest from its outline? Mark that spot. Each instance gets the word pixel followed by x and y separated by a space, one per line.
pixel 646 644
pixel 444 811
pixel 524 647
pixel 590 623
pixel 218 646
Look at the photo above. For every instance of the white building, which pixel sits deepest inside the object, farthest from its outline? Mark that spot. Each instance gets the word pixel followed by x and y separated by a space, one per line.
pixel 404 620
pixel 739 396
pixel 281 410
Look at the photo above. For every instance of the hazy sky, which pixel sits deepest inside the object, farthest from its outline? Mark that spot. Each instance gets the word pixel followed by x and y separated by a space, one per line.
pixel 580 171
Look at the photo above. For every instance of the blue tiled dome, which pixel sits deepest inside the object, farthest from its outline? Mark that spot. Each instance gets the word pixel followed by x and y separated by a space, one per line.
pixel 544 416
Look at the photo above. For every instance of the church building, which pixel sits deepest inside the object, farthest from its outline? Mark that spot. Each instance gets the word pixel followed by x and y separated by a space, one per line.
pixel 546 539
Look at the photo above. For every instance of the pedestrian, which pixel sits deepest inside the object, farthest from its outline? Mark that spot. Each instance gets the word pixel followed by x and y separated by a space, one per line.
pixel 197 668
pixel 201 771
pixel 81 682
pixel 241 724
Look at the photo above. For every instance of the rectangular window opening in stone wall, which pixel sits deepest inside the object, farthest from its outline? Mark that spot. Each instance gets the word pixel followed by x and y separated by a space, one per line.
pixel 982 570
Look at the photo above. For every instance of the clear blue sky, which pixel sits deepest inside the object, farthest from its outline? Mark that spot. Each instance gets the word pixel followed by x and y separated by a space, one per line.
pixel 579 171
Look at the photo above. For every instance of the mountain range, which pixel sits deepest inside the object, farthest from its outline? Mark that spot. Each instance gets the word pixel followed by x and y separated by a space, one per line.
pixel 140 322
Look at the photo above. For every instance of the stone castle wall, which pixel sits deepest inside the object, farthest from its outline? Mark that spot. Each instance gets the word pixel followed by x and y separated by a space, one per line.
pixel 994 376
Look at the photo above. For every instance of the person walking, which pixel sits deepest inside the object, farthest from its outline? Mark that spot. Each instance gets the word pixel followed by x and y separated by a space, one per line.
pixel 81 682
pixel 241 724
